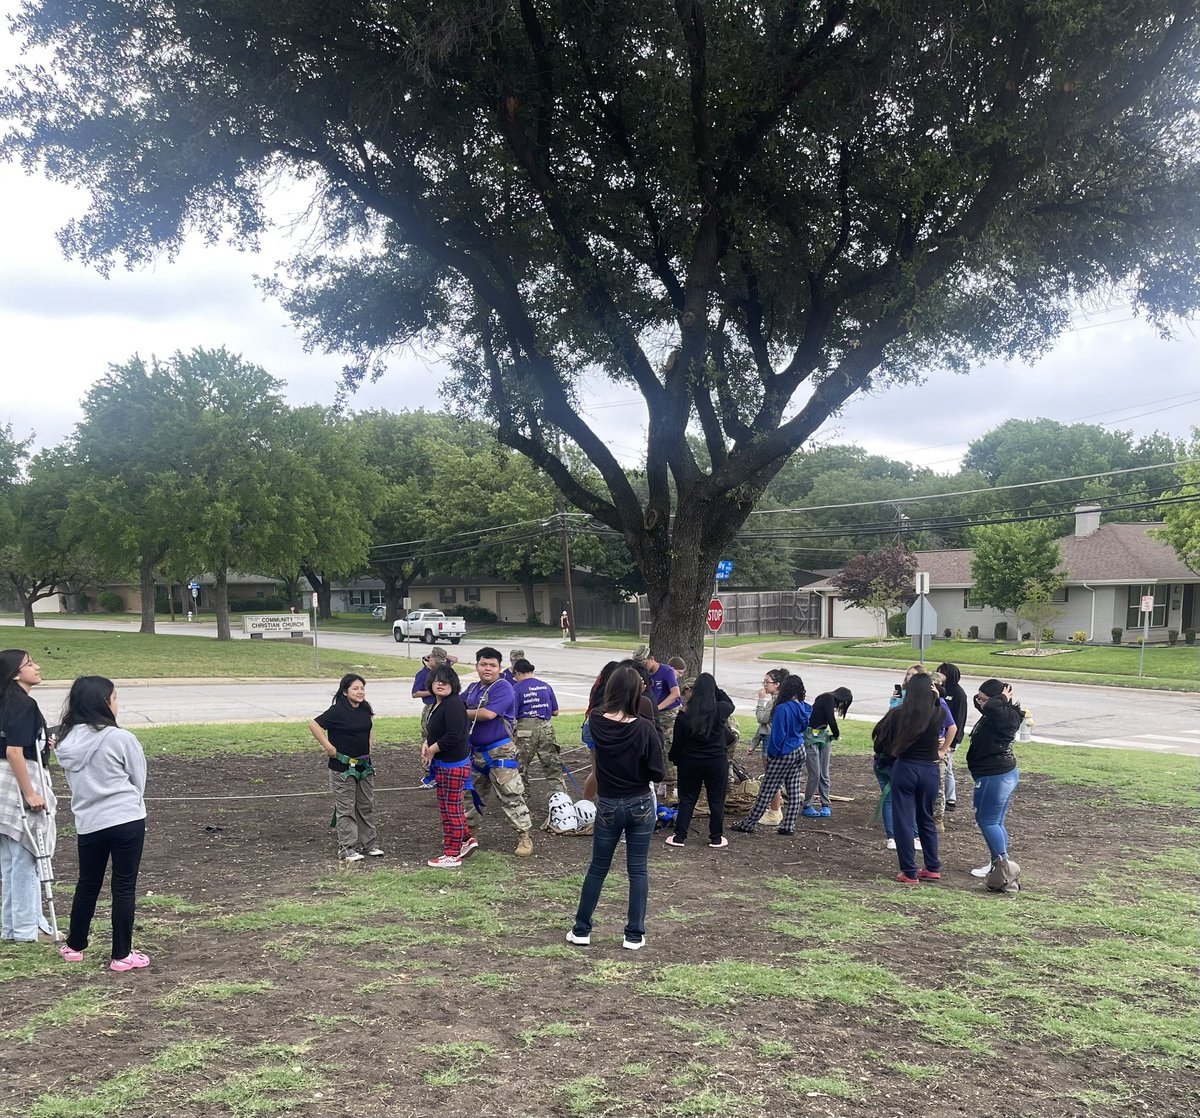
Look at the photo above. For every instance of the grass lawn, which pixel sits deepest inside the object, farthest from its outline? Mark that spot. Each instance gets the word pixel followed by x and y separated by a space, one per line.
pixel 66 653
pixel 782 976
pixel 1166 668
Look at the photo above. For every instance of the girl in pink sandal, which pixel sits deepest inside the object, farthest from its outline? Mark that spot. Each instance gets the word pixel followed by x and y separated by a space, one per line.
pixel 106 770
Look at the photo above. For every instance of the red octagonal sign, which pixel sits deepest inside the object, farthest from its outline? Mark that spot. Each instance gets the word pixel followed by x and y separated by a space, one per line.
pixel 716 614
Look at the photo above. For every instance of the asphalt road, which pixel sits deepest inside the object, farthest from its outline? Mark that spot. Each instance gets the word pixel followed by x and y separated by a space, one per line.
pixel 1159 721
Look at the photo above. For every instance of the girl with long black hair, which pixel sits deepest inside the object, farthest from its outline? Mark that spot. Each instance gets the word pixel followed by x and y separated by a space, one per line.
pixel 701 757
pixel 346 731
pixel 447 754
pixel 106 770
pixel 912 735
pixel 784 751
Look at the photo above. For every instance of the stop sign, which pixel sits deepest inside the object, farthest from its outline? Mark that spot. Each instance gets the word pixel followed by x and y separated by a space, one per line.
pixel 716 614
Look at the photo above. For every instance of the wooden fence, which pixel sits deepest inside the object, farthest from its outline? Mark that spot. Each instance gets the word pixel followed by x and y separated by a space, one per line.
pixel 758 613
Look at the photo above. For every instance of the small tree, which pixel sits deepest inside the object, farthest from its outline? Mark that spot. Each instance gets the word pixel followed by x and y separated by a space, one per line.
pixel 1009 556
pixel 1038 608
pixel 879 582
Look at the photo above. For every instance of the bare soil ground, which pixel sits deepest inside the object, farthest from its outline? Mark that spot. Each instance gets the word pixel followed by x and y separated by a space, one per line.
pixel 782 976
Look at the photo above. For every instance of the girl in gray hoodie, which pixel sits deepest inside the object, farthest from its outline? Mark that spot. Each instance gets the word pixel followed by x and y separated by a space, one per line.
pixel 106 770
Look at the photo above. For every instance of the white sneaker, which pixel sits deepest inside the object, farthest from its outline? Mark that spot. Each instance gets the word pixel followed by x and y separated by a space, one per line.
pixel 981 871
pixel 374 852
pixel 353 856
pixel 444 862
pixel 891 844
pixel 579 941
pixel 634 944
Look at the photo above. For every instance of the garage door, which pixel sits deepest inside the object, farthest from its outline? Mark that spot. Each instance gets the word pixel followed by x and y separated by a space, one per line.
pixel 511 607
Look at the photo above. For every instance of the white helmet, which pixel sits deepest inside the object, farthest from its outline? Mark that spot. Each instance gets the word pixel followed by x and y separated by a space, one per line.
pixel 562 814
pixel 585 813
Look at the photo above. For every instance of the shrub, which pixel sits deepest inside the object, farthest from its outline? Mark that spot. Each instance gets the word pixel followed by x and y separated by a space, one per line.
pixel 1000 632
pixel 895 625
pixel 1079 637
pixel 471 611
pixel 257 605
pixel 1026 636
pixel 1047 635
pixel 958 634
pixel 1172 637
pixel 1116 635
pixel 947 633
pixel 111 602
pixel 973 633
pixel 1189 636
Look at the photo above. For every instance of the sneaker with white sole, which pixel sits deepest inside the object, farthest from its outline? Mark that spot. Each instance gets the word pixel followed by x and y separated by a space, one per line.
pixel 772 818
pixel 374 852
pixel 633 944
pixel 890 844
pixel 579 941
pixel 444 862
pixel 981 871
pixel 353 856
pixel 468 847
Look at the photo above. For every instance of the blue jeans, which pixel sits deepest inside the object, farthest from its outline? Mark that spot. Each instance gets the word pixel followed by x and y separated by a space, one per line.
pixel 20 893
pixel 633 817
pixel 993 794
pixel 951 783
pixel 884 777
pixel 915 786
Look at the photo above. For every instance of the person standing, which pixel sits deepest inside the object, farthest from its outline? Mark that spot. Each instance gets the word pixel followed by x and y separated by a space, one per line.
pixel 956 699
pixel 346 731
pixel 818 747
pixel 993 766
pixel 912 736
pixel 24 779
pixel 420 687
pixel 447 755
pixel 785 757
pixel 509 673
pixel 565 622
pixel 491 710
pixel 702 759
pixel 106 770
pixel 537 706
pixel 665 694
pixel 627 760
pixel 773 816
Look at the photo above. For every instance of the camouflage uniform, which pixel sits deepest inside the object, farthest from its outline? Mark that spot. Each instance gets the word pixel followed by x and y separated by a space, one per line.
pixel 535 738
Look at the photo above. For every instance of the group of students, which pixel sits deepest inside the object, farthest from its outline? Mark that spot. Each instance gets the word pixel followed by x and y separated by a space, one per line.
pixel 106 772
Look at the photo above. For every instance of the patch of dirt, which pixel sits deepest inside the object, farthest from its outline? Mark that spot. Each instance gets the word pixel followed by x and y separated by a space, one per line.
pixel 373 1012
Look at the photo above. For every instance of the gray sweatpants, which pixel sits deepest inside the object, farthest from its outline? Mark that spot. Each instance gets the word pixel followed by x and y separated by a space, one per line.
pixel 816 763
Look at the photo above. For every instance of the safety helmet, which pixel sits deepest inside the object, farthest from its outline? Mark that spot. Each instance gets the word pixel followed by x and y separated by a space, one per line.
pixel 562 814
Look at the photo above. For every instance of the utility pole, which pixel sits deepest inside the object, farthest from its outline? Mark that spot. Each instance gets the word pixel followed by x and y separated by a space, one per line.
pixel 566 549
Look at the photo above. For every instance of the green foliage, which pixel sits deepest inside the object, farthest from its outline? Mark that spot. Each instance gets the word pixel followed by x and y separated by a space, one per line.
pixel 1007 558
pixel 1116 634
pixel 940 216
pixel 1000 631
pixel 111 602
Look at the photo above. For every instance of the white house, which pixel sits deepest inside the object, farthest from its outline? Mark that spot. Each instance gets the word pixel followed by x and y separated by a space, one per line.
pixel 1109 569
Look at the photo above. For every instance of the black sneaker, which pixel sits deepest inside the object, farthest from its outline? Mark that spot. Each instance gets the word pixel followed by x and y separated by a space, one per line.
pixel 745 827
pixel 951 805
pixel 785 831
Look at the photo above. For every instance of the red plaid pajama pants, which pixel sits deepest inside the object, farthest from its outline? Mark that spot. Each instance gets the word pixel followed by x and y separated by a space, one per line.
pixel 451 782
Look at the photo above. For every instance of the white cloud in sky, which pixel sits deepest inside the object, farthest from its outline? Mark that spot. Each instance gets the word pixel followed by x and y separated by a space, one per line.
pixel 63 324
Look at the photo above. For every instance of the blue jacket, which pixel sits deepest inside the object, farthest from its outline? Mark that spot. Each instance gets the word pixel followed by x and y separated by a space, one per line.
pixel 788 722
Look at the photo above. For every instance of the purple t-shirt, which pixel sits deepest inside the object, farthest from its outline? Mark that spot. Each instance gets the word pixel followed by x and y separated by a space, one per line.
pixel 662 683
pixel 421 683
pixel 498 697
pixel 535 699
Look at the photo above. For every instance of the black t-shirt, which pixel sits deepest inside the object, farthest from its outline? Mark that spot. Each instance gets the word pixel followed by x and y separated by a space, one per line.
pixel 23 725
pixel 691 743
pixel 348 729
pixel 925 748
pixel 448 729
pixel 628 756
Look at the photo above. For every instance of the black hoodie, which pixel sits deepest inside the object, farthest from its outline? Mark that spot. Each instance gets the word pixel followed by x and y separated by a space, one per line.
pixel 956 700
pixel 991 751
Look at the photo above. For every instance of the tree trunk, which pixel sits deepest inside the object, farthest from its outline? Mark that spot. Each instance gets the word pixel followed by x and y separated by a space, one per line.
pixel 221 603
pixel 324 590
pixel 146 583
pixel 531 612
pixel 679 573
pixel 27 605
pixel 171 599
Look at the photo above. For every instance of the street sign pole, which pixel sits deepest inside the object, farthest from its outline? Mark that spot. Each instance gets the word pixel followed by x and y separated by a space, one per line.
pixel 316 649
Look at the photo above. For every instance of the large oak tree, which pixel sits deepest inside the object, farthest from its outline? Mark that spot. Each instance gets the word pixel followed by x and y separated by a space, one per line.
pixel 749 212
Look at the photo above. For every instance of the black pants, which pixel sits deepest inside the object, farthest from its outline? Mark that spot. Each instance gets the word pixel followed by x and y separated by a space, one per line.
pixel 714 775
pixel 123 843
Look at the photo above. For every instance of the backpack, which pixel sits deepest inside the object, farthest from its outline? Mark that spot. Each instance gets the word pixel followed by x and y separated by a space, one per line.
pixel 1004 876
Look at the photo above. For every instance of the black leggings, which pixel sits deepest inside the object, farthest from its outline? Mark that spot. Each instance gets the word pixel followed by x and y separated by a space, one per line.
pixel 714 775
pixel 123 843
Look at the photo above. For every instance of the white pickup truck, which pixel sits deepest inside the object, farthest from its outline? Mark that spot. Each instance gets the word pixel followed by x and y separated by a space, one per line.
pixel 430 626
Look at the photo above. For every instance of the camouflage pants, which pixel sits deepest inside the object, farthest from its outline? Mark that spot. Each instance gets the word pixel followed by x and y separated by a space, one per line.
pixel 426 711
pixel 939 804
pixel 666 719
pixel 535 738
pixel 507 784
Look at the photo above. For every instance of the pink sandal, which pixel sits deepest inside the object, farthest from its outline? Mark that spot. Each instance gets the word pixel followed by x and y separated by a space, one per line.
pixel 135 960
pixel 70 954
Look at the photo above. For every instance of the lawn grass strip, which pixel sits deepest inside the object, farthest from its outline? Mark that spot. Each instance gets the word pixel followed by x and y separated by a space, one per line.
pixel 836 1085
pixel 73 1009
pixel 215 990
pixel 123 1091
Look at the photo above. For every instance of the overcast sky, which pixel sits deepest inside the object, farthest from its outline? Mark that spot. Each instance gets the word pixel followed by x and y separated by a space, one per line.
pixel 63 325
